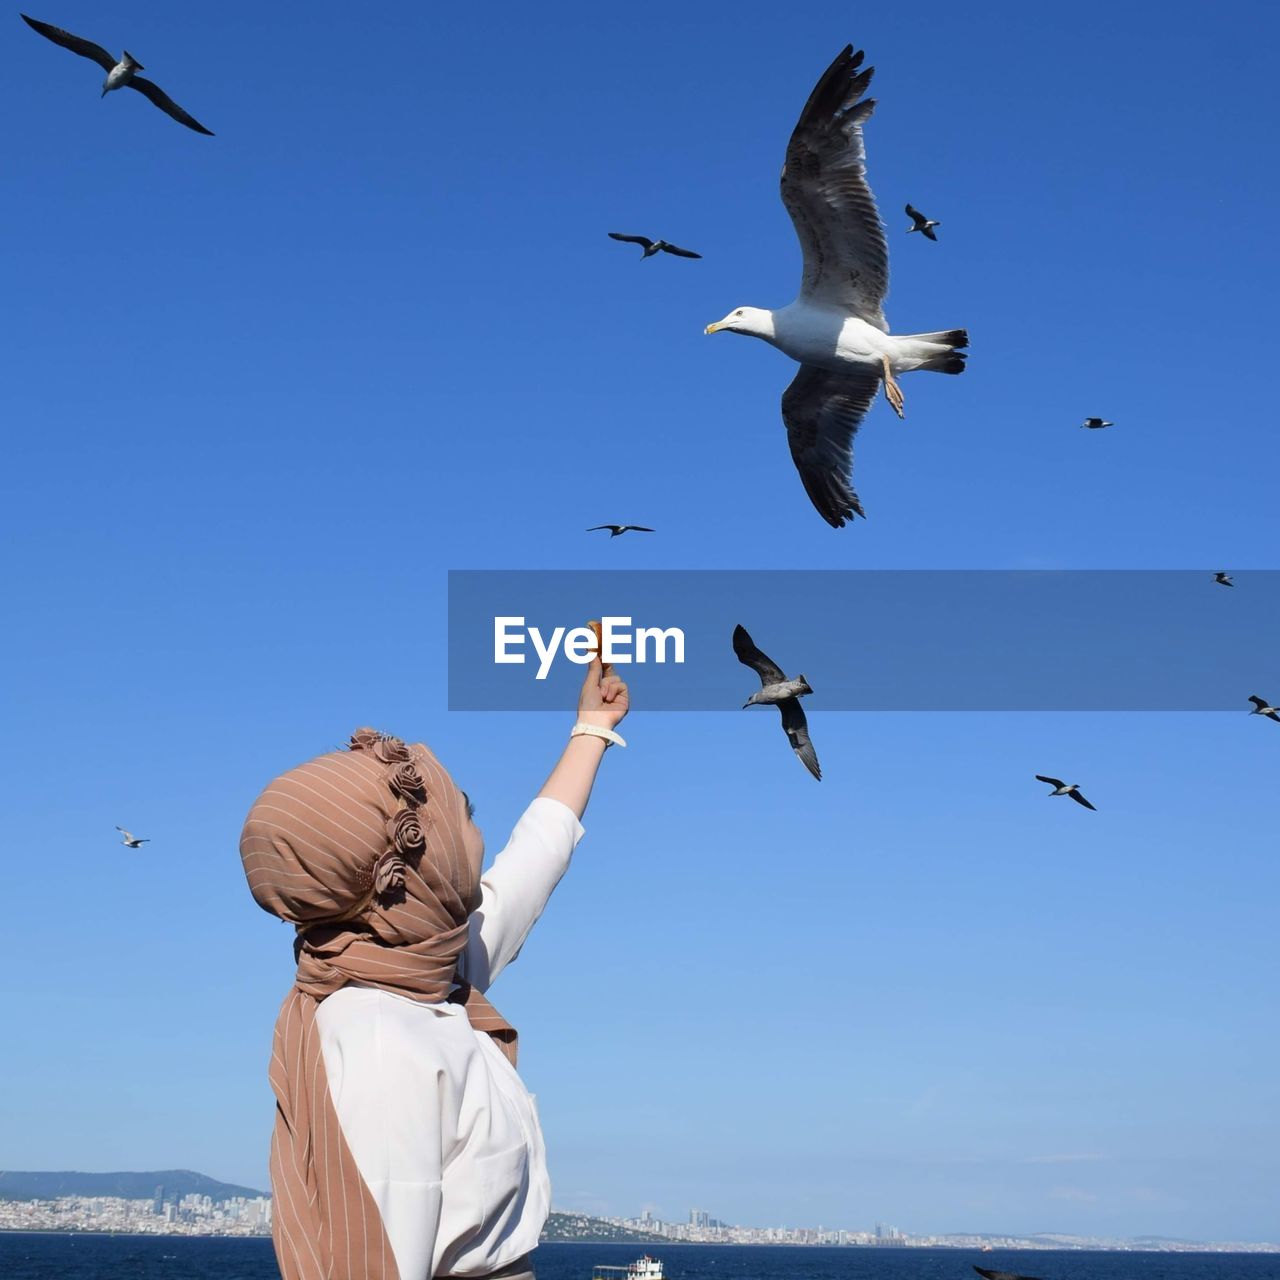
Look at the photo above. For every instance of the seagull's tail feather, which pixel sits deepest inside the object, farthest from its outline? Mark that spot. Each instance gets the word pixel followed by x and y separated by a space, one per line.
pixel 939 352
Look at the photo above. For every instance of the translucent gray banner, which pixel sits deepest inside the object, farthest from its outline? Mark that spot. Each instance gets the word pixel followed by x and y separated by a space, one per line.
pixel 874 640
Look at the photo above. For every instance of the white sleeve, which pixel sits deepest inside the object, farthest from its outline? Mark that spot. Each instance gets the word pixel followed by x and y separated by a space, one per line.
pixel 515 889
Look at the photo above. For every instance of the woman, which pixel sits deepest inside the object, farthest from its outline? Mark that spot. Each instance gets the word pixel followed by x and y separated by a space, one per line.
pixel 405 1146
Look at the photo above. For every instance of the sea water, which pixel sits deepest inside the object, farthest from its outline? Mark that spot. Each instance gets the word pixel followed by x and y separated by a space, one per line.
pixel 50 1256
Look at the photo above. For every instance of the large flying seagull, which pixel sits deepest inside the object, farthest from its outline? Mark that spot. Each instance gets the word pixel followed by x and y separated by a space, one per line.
pixel 836 328
pixel 121 72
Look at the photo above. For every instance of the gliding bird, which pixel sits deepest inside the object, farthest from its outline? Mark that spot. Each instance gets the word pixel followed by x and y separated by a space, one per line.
pixel 121 73
pixel 921 223
pixel 836 328
pixel 1261 707
pixel 651 247
pixel 1061 788
pixel 783 693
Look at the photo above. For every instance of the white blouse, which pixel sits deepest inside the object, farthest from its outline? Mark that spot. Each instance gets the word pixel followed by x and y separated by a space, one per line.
pixel 441 1127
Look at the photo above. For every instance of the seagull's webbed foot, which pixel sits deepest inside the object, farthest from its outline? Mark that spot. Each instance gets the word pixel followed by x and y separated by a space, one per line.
pixel 892 392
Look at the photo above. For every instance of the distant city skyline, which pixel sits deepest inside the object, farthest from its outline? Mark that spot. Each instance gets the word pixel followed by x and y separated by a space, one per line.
pixel 702 1228
pixel 202 1215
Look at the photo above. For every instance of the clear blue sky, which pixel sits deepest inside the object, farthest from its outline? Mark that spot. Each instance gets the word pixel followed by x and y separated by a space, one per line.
pixel 265 389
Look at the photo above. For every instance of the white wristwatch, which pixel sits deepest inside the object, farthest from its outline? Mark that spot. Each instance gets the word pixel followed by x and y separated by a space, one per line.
pixel 597 731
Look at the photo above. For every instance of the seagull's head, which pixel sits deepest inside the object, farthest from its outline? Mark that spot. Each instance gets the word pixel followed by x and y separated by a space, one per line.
pixel 756 322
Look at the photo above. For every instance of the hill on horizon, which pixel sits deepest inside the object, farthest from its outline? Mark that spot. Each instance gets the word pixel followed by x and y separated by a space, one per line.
pixel 562 1227
pixel 37 1185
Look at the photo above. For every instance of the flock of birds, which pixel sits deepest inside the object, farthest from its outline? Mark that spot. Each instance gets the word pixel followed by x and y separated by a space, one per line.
pixel 835 329
pixel 777 690
pixel 837 332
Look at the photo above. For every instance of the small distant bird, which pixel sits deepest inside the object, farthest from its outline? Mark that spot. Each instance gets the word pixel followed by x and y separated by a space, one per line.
pixel 121 73
pixel 132 841
pixel 922 223
pixel 1096 424
pixel 616 529
pixel 1000 1275
pixel 1263 708
pixel 1061 788
pixel 783 693
pixel 1223 579
pixel 651 247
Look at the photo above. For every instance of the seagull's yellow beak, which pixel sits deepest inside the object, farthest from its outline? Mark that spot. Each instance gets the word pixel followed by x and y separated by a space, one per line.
pixel 711 328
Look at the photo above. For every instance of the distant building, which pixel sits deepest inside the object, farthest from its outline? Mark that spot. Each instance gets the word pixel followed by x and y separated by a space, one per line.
pixel 157 1201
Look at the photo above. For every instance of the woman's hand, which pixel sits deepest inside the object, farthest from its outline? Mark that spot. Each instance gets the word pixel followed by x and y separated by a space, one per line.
pixel 604 700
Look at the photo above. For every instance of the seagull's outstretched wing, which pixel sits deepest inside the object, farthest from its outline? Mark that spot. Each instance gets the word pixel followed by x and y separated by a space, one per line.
pixel 1053 782
pixel 127 835
pixel 613 528
pixel 85 48
pixel 643 241
pixel 1258 702
pixel 149 89
pixel 1000 1275
pixel 824 186
pixel 765 667
pixel 638 528
pixel 1079 799
pixel 680 253
pixel 796 727
pixel 823 409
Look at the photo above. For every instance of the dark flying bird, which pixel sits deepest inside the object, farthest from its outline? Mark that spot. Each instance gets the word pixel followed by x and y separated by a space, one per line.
pixel 1263 708
pixel 653 246
pixel 1223 578
pixel 616 529
pixel 922 223
pixel 1096 424
pixel 836 329
pixel 121 73
pixel 783 693
pixel 1000 1275
pixel 132 841
pixel 1061 788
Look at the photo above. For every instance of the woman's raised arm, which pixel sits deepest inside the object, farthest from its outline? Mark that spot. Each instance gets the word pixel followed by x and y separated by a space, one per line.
pixel 603 702
pixel 514 891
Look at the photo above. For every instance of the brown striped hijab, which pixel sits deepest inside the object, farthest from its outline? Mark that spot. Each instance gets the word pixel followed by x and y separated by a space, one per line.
pixel 370 854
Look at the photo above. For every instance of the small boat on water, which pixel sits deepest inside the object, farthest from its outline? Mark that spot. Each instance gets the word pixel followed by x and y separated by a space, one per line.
pixel 645 1268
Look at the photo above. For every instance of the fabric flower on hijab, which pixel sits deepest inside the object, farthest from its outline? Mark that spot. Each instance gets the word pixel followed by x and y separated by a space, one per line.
pixel 407 783
pixel 363 739
pixel 407 833
pixel 390 750
pixel 388 874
